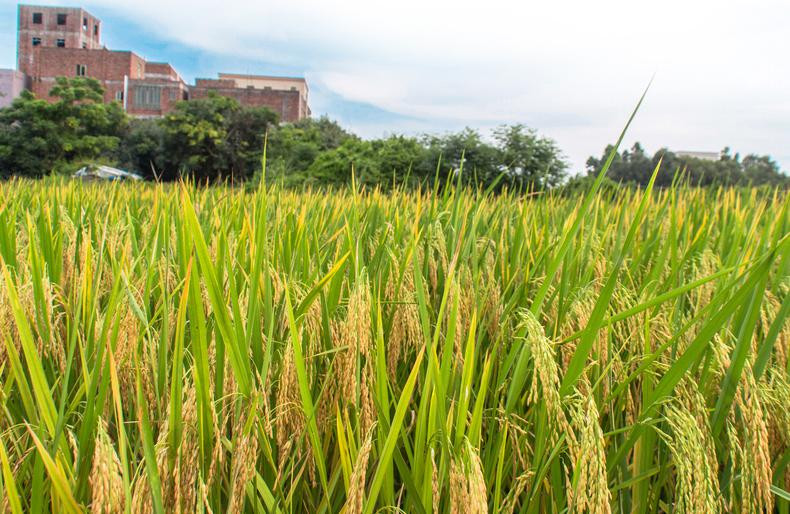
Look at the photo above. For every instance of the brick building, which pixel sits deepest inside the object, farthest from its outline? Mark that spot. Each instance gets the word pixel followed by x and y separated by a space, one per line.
pixel 286 96
pixel 66 42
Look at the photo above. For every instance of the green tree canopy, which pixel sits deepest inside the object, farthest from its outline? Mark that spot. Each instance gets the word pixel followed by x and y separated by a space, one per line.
pixel 293 147
pixel 634 166
pixel 37 136
pixel 530 159
pixel 214 138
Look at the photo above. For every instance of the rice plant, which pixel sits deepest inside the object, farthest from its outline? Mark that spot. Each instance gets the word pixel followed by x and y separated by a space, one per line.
pixel 182 349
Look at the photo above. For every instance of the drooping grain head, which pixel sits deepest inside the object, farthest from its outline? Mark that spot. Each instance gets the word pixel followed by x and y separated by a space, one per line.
pixel 245 455
pixel 757 473
pixel 356 490
pixel 289 418
pixel 185 472
pixel 406 332
pixel 107 492
pixel 459 487
pixel 590 491
pixel 696 488
pixel 478 495
pixel 545 386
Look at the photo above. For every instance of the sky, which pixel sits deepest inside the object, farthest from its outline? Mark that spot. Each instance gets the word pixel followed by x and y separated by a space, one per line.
pixel 571 69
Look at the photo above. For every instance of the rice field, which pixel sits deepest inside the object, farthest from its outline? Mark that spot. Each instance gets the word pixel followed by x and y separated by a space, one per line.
pixel 182 349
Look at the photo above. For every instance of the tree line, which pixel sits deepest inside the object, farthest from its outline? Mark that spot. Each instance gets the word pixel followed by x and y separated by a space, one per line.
pixel 218 139
pixel 635 166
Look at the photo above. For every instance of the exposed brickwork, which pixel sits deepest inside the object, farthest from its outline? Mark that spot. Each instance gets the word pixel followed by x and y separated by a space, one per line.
pixel 161 70
pixel 66 42
pixel 273 83
pixel 284 103
pixel 108 67
pixel 79 29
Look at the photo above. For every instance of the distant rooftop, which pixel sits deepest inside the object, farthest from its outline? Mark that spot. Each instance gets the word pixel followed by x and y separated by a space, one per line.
pixel 268 77
pixel 706 156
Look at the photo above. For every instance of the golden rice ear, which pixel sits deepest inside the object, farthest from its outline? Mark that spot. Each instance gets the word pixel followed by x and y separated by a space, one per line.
pixel 288 419
pixel 590 492
pixel 358 326
pixel 142 501
pixel 242 464
pixel 185 473
pixel 774 391
pixel 690 443
pixel 107 491
pixel 468 490
pixel 356 489
pixel 705 265
pixel 353 366
pixel 405 333
pixel 545 384
pixel 164 469
pixel 459 487
pixel 477 485
pixel 368 413
pixel 755 457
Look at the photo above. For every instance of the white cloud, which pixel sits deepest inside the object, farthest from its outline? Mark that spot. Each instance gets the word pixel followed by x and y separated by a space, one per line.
pixel 572 68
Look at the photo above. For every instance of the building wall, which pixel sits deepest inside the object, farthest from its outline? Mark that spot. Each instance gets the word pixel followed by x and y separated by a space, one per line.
pixel 261 82
pixel 274 83
pixel 161 70
pixel 81 30
pixel 705 156
pixel 167 92
pixel 215 84
pixel 108 67
pixel 12 83
pixel 285 103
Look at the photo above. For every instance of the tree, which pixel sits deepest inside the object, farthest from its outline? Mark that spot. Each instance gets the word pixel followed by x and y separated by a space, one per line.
pixel 293 147
pixel 214 138
pixel 463 151
pixel 37 137
pixel 334 166
pixel 635 167
pixel 762 169
pixel 303 154
pixel 143 149
pixel 630 166
pixel 529 159
pixel 403 160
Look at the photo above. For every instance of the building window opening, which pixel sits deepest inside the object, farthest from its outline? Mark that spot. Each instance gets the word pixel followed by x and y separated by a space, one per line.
pixel 38 18
pixel 119 96
pixel 147 97
pixel 81 69
pixel 61 43
pixel 96 30
pixel 61 19
pixel 85 24
pixel 36 41
pixel 84 45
